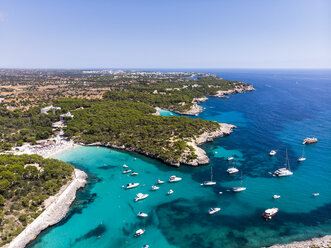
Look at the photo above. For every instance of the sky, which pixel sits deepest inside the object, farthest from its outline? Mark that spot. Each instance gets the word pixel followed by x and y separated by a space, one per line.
pixel 165 34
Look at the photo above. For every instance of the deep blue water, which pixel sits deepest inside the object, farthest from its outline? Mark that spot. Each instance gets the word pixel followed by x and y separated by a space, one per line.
pixel 286 107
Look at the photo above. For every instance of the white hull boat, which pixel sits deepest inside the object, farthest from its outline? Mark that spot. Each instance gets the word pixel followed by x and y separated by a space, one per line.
pixel 269 213
pixel 143 215
pixel 155 188
pixel 272 153
pixel 174 179
pixel 131 185
pixel 159 182
pixel 238 189
pixel 276 196
pixel 140 196
pixel 170 192
pixel 213 210
pixel 139 232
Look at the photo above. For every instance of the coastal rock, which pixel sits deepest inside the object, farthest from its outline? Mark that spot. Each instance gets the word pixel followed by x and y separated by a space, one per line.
pixel 324 242
pixel 202 158
pixel 53 213
pixel 237 89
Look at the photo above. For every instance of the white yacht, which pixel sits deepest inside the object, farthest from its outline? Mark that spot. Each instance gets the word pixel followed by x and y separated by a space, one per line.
pixel 211 182
pixel 126 171
pixel 143 215
pixel 283 172
pixel 272 153
pixel 302 158
pixel 131 185
pixel 140 196
pixel 230 158
pixel 276 196
pixel 155 187
pixel 173 179
pixel 159 182
pixel 213 210
pixel 170 192
pixel 139 232
pixel 134 173
pixel 238 189
pixel 269 213
pixel 232 170
pixel 316 194
pixel 125 166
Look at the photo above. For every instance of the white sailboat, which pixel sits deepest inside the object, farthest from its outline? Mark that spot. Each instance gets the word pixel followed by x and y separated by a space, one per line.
pixel 233 169
pixel 286 171
pixel 211 182
pixel 239 189
pixel 302 158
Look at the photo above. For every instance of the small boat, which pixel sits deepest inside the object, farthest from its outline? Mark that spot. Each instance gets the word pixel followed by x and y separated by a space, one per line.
pixel 308 141
pixel 316 194
pixel 269 213
pixel 145 246
pixel 216 152
pixel 135 158
pixel 140 196
pixel 220 192
pixel 213 210
pixel 155 187
pixel 170 192
pixel 131 185
pixel 276 196
pixel 302 158
pixel 283 172
pixel 174 179
pixel 139 232
pixel 125 166
pixel 230 158
pixel 232 170
pixel 159 182
pixel 272 153
pixel 126 171
pixel 211 182
pixel 238 189
pixel 143 215
pixel 134 173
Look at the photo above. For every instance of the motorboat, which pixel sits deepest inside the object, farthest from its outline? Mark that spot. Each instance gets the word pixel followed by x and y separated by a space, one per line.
pixel 276 196
pixel 211 182
pixel 170 192
pixel 272 153
pixel 140 196
pixel 126 171
pixel 131 185
pixel 159 182
pixel 308 141
pixel 283 172
pixel 316 194
pixel 134 173
pixel 230 158
pixel 155 187
pixel 238 189
pixel 173 179
pixel 139 232
pixel 143 215
pixel 232 170
pixel 213 210
pixel 125 166
pixel 270 213
pixel 301 159
pixel 220 192
pixel 145 246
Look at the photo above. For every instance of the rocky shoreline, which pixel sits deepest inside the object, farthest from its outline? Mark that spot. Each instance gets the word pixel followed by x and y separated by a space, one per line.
pixel 224 129
pixel 324 242
pixel 196 109
pixel 53 213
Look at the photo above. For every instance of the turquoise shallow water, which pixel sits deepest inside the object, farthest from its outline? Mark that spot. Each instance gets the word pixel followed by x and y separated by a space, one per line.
pixel 286 107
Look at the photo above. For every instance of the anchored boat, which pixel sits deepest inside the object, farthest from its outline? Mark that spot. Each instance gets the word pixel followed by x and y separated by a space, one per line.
pixel 308 141
pixel 270 213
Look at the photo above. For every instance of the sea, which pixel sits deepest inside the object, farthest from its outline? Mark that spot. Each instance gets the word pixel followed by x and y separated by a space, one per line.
pixel 286 107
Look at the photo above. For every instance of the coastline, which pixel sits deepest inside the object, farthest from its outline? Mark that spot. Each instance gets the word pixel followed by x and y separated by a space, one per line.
pixel 324 242
pixel 224 129
pixel 56 210
pixel 196 109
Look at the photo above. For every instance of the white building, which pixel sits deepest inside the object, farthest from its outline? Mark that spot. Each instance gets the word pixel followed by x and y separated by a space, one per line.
pixel 46 109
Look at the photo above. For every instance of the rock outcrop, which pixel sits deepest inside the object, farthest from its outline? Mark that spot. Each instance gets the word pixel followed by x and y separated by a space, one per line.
pixel 55 212
pixel 237 89
pixel 324 242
